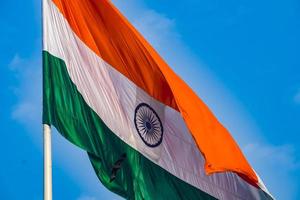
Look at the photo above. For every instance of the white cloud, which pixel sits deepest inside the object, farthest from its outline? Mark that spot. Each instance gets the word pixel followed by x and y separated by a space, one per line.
pixel 277 166
pixel 15 62
pixel 28 89
pixel 156 28
pixel 26 111
pixel 86 198
pixel 297 97
pixel 282 156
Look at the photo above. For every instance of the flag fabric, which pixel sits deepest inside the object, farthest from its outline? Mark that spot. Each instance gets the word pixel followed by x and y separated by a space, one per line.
pixel 147 134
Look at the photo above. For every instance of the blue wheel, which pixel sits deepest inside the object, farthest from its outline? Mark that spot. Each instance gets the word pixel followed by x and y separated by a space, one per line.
pixel 148 125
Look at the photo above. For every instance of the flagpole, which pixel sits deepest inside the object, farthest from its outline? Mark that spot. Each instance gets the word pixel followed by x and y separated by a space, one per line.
pixel 47 139
pixel 47 163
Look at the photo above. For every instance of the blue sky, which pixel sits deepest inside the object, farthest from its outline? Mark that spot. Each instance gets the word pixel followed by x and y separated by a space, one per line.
pixel 241 57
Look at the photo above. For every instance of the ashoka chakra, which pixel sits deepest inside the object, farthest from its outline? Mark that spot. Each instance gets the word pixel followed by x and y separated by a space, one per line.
pixel 148 125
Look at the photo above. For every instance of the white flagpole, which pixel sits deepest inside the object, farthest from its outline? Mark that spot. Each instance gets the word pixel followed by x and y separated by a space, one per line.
pixel 47 163
pixel 47 142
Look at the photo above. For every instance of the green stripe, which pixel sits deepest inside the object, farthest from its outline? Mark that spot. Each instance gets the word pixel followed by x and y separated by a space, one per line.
pixel 138 178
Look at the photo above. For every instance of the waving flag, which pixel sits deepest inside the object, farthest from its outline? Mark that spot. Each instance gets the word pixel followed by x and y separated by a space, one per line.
pixel 147 134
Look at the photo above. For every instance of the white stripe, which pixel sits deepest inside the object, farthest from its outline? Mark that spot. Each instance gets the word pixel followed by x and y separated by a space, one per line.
pixel 114 98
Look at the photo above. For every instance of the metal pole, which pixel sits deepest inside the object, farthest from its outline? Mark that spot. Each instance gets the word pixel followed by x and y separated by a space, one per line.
pixel 47 163
pixel 47 138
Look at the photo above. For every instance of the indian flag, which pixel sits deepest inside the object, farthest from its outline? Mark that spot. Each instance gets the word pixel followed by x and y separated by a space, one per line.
pixel 147 134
